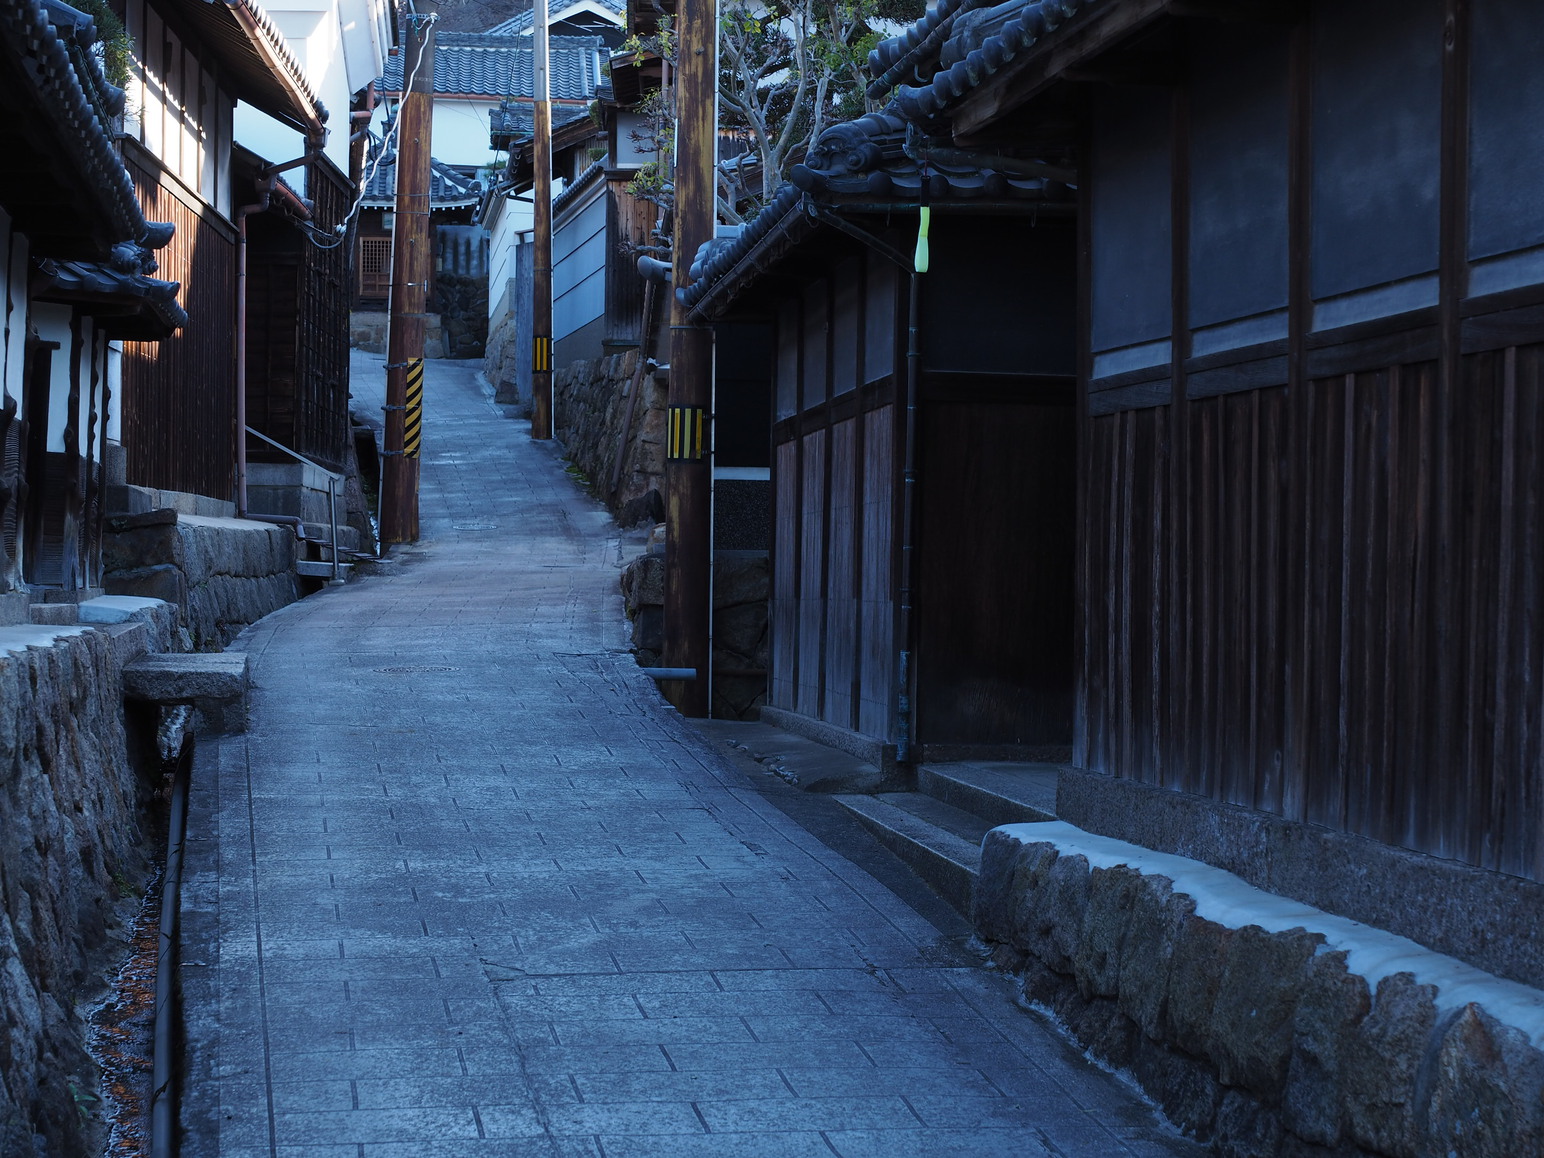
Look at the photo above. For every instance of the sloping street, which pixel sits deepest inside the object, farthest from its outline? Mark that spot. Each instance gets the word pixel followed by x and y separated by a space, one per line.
pixel 468 886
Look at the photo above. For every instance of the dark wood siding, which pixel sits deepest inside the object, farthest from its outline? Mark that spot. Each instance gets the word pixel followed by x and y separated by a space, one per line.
pixel 297 331
pixel 1326 603
pixel 178 401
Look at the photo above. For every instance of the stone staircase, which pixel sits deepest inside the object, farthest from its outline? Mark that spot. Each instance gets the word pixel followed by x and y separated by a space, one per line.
pixel 937 829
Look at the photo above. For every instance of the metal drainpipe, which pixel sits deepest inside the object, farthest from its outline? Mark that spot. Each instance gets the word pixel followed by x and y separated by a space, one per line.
pixel 265 188
pixel 904 722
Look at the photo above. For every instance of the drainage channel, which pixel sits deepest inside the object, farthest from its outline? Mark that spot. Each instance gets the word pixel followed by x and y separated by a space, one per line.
pixel 134 1035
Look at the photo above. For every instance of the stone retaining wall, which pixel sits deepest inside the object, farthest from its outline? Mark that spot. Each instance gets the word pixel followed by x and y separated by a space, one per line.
pixel 71 849
pixel 222 574
pixel 741 585
pixel 591 400
pixel 1261 1024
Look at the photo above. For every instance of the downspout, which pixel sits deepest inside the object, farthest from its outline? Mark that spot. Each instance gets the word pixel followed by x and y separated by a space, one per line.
pixel 267 186
pixel 905 709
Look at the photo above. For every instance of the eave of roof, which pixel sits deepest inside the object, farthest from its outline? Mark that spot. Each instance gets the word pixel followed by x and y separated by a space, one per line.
pixel 259 66
pixel 979 43
pixel 63 182
pixel 863 165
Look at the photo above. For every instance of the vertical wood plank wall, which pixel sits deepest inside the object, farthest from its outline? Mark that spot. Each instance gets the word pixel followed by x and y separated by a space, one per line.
pixel 1330 606
pixel 178 394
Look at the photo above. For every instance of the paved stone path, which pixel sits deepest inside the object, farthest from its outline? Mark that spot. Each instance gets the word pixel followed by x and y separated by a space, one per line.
pixel 468 887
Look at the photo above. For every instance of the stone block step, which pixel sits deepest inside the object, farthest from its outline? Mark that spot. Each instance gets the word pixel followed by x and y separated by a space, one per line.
pixel 320 569
pixel 215 683
pixel 999 793
pixel 942 844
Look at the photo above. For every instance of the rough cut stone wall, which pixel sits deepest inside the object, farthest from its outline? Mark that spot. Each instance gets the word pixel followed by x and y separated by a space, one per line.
pixel 1264 1043
pixel 591 400
pixel 462 301
pixel 222 574
pixel 70 840
pixel 741 585
pixel 503 364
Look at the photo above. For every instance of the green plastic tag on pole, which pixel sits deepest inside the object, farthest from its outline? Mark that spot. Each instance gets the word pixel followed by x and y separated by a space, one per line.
pixel 924 217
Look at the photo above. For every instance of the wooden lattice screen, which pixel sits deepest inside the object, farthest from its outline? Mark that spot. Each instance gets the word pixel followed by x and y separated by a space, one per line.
pixel 374 268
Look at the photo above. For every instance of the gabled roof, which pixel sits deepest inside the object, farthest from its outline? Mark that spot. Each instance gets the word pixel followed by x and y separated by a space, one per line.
pixel 512 124
pixel 573 12
pixel 448 187
pixel 480 64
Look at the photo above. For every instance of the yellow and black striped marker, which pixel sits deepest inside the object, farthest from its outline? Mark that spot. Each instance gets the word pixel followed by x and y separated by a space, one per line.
pixel 541 354
pixel 686 433
pixel 413 420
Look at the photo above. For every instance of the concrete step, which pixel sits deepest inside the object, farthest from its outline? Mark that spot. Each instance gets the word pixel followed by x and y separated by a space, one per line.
pixel 941 843
pixel 320 569
pixel 999 793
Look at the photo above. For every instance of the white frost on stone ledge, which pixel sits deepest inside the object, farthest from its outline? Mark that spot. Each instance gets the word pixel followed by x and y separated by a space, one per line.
pixel 1371 953
pixel 15 640
pixel 116 608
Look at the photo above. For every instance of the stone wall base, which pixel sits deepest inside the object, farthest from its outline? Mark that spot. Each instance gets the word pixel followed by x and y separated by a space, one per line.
pixel 741 584
pixel 73 849
pixel 1261 1025
pixel 591 405
pixel 223 574
pixel 1488 919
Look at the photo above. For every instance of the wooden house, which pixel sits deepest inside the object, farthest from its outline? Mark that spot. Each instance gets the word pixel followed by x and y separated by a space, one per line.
pixel 78 255
pixel 1310 287
pixel 922 444
pixel 194 61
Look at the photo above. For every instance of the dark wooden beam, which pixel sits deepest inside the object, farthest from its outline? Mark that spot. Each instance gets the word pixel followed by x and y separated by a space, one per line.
pixel 1240 11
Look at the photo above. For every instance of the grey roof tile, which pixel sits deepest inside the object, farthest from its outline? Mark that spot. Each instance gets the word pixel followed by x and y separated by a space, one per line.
pixel 484 64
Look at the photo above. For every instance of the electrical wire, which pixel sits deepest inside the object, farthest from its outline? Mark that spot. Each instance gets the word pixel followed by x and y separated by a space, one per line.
pixel 339 233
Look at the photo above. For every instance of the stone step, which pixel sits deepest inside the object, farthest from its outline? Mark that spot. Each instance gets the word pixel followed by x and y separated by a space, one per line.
pixel 320 568
pixel 941 843
pixel 215 683
pixel 999 793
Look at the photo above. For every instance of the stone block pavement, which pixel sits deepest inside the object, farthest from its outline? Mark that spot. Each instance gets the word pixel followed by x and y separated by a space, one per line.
pixel 469 887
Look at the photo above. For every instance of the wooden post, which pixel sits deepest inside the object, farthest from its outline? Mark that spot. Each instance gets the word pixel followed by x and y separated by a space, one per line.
pixel 688 521
pixel 541 196
pixel 412 261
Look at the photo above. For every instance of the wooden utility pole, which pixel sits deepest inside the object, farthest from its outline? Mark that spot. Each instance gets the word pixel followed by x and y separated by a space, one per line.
pixel 541 195
pixel 688 521
pixel 412 260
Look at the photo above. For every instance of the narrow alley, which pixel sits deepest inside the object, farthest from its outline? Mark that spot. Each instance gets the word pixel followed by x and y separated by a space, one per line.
pixel 468 886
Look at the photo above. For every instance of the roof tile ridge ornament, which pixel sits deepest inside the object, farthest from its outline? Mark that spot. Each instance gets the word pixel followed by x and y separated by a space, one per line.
pixel 1036 18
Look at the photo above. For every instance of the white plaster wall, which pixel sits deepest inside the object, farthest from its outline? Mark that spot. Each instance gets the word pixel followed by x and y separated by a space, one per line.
pixel 15 307
pixel 53 325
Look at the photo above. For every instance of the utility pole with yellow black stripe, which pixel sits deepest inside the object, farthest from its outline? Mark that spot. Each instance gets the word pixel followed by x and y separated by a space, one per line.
pixel 412 261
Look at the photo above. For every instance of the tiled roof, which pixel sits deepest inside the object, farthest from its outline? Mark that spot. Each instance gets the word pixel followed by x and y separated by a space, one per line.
pixel 957 46
pixel 882 157
pixel 482 64
pixel 863 162
pixel 513 121
pixel 63 181
pixel 153 313
pixel 448 188
pixel 521 23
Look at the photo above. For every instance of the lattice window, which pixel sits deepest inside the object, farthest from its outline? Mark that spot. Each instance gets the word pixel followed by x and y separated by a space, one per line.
pixel 374 267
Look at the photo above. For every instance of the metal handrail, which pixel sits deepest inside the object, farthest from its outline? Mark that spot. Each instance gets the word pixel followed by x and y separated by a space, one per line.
pixel 333 479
